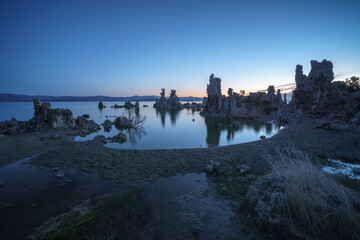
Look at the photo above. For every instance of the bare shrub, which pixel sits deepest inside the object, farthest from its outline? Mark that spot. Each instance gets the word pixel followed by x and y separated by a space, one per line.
pixel 130 119
pixel 299 197
pixel 137 120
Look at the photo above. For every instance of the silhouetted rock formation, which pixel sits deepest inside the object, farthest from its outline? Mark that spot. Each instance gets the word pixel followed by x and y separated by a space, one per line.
pixel 256 105
pixel 317 95
pixel 119 138
pixel 172 103
pixel 107 124
pixel 129 105
pixel 46 117
pixel 122 123
pixel 100 105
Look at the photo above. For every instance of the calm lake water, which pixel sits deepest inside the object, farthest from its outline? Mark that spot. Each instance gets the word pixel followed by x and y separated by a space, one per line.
pixel 162 129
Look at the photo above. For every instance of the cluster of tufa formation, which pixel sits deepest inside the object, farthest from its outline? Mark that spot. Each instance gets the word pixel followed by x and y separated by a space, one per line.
pixel 317 95
pixel 238 105
pixel 128 105
pixel 173 102
pixel 46 117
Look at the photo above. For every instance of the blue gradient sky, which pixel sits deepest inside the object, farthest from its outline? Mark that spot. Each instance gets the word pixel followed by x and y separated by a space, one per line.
pixel 123 48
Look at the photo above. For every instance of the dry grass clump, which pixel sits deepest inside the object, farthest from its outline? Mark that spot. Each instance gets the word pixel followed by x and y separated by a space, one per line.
pixel 299 197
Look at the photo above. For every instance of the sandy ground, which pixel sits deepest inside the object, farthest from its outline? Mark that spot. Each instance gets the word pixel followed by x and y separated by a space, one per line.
pixel 133 167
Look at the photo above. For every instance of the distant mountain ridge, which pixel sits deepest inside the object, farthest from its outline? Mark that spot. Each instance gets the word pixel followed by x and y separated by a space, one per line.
pixel 8 97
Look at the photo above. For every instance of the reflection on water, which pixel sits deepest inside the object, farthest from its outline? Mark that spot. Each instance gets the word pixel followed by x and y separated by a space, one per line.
pixel 134 134
pixel 174 115
pixel 162 129
pixel 215 126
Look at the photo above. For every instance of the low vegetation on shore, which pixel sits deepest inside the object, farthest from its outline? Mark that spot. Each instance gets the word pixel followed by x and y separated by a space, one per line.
pixel 297 197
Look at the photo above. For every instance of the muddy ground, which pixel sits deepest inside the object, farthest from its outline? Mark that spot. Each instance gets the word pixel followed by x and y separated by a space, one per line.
pixel 145 168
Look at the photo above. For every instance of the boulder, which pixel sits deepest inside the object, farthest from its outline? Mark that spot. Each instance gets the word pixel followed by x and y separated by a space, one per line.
pixel 120 138
pixel 122 123
pixel 209 168
pixel 107 124
pixel 100 138
pixel 86 126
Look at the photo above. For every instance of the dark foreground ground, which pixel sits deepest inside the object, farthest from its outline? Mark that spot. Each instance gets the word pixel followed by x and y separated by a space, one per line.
pixel 174 198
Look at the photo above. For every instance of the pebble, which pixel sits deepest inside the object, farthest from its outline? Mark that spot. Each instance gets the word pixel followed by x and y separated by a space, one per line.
pixel 55 169
pixel 33 205
pixel 60 174
pixel 209 168
pixel 262 137
pixel 196 230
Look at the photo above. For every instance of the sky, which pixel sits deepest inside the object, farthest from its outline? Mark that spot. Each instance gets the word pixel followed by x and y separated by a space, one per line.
pixel 126 48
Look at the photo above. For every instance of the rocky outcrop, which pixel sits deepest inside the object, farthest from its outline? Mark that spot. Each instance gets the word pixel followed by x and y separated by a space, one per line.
pixel 214 101
pixel 173 102
pixel 86 126
pixel 107 124
pixel 46 117
pixel 100 105
pixel 119 138
pixel 238 105
pixel 317 95
pixel 129 105
pixel 193 106
pixel 122 123
pixel 13 126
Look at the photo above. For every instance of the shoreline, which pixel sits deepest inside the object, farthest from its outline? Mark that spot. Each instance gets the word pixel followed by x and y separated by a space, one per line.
pixel 60 150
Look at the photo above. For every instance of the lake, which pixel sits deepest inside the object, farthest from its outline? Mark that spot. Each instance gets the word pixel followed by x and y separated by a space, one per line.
pixel 161 130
